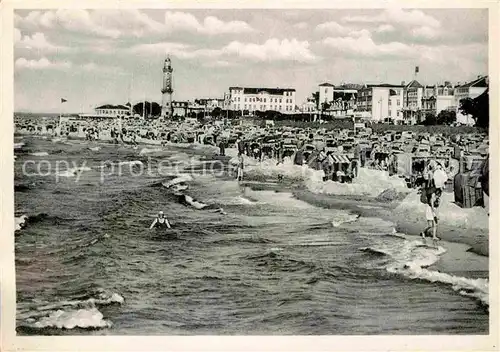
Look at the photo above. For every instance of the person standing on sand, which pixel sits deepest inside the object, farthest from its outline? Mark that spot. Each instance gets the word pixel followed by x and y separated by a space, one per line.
pixel 432 196
pixel 240 167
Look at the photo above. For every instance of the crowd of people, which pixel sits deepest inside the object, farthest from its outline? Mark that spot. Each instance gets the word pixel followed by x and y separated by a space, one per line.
pixel 339 153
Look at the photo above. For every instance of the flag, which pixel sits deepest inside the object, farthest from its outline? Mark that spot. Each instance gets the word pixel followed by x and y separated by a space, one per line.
pixel 63 100
pixel 416 69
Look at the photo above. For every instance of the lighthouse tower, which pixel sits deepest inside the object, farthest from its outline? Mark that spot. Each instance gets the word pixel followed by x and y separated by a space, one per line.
pixel 166 91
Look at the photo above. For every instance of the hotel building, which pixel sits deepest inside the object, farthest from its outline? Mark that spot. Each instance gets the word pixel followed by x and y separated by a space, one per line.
pixel 381 101
pixel 262 99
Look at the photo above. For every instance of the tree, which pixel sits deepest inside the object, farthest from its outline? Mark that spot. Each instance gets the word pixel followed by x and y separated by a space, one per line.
pixel 430 119
pixel 478 108
pixel 446 117
pixel 216 112
pixel 152 109
pixel 325 106
pixel 315 96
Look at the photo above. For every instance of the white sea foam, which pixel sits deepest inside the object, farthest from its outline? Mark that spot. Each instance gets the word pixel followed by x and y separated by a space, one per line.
pixel 74 314
pixel 347 218
pixel 148 150
pixel 81 318
pixel 18 145
pixel 40 154
pixel 73 172
pixel 411 259
pixel 177 180
pixel 131 163
pixel 20 221
pixel 95 149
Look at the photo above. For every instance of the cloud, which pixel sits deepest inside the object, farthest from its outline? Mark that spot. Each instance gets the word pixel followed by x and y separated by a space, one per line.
pixel 162 48
pixel 37 41
pixel 183 21
pixel 384 28
pixel 220 63
pixel 272 50
pixel 397 16
pixel 301 25
pixel 43 63
pixel 101 69
pixel 331 28
pixel 363 45
pixel 127 23
pixel 425 33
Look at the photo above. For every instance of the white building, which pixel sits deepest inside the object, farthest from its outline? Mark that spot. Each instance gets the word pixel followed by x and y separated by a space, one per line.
pixel 469 90
pixel 210 103
pixel 395 108
pixel 381 101
pixel 110 111
pixel 329 93
pixel 438 98
pixel 262 99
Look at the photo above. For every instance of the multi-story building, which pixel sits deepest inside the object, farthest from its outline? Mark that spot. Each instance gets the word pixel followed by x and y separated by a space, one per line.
pixel 438 98
pixel 329 93
pixel 113 110
pixel 412 103
pixel 395 108
pixel 380 101
pixel 471 90
pixel 210 103
pixel 180 108
pixel 309 106
pixel 262 99
pixel 186 108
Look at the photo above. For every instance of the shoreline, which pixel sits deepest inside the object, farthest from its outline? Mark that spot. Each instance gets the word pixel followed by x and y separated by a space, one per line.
pixel 475 239
pixel 468 244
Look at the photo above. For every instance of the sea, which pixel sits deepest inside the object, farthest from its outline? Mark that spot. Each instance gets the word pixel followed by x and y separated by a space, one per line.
pixel 87 263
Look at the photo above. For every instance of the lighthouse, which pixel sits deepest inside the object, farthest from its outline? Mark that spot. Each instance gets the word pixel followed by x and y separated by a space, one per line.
pixel 166 91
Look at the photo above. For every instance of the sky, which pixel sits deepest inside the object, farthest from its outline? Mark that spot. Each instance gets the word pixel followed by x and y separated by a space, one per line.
pixel 94 57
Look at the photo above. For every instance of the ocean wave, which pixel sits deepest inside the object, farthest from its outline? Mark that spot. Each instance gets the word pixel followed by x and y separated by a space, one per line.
pixel 90 318
pixel 374 251
pixel 347 219
pixel 40 217
pixel 131 163
pixel 20 222
pixel 79 313
pixel 149 151
pixel 39 154
pixel 19 145
pixel 252 239
pixel 72 172
pixel 411 260
pixel 179 179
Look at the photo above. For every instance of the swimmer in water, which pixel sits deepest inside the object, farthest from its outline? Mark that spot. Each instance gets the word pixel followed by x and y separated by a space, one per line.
pixel 161 222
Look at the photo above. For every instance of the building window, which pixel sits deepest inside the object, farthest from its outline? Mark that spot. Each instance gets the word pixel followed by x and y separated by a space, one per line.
pixel 397 102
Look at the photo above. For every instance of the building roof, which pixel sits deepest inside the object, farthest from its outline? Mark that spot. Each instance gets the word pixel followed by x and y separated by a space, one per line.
pixel 383 85
pixel 479 82
pixel 326 85
pixel 247 90
pixel 413 84
pixel 113 107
